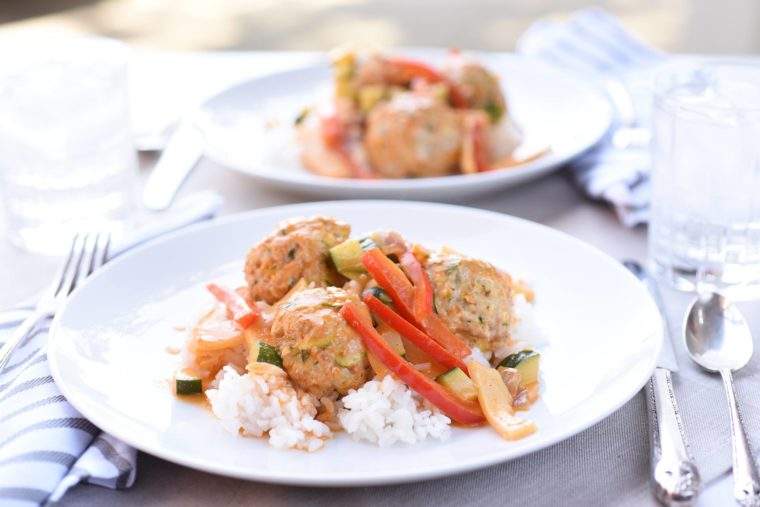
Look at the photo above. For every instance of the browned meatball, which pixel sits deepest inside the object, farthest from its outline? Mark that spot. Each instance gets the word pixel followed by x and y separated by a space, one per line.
pixel 473 298
pixel 321 353
pixel 480 88
pixel 413 136
pixel 297 249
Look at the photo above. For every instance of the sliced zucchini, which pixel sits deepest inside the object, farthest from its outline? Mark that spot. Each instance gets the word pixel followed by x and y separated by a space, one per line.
pixel 457 381
pixel 186 383
pixel 321 342
pixel 494 111
pixel 347 257
pixel 266 353
pixel 380 294
pixel 525 362
pixel 348 360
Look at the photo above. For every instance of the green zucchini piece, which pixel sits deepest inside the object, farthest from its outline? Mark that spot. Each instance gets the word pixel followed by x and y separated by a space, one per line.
pixel 187 384
pixel 268 354
pixel 525 362
pixel 457 381
pixel 348 360
pixel 380 294
pixel 347 257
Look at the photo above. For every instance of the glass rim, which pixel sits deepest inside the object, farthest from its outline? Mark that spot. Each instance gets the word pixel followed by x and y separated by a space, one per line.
pixel 663 84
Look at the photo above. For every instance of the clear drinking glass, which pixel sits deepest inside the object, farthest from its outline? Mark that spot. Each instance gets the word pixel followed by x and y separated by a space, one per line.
pixel 705 224
pixel 67 160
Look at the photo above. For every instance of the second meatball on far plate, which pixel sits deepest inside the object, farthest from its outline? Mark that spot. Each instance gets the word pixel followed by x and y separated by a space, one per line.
pixel 473 298
pixel 322 354
pixel 413 136
pixel 297 249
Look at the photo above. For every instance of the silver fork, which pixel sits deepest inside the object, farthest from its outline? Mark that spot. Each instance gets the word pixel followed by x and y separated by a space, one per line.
pixel 88 252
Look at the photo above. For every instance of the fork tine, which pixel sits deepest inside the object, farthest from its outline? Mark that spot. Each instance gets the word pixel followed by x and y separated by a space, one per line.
pixel 103 245
pixel 87 262
pixel 61 274
pixel 73 268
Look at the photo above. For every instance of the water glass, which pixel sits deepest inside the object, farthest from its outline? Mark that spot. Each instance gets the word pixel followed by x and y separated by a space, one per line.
pixel 67 160
pixel 705 225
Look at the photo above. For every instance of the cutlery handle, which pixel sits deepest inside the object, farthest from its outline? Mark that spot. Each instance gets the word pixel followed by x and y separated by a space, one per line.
pixel 676 478
pixel 17 338
pixel 182 153
pixel 746 480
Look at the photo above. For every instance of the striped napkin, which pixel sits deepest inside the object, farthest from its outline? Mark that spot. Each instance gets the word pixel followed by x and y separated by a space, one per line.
pixel 46 446
pixel 593 43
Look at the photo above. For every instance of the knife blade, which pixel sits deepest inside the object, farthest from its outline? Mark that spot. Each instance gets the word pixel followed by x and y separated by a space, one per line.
pixel 675 477
pixel 181 155
pixel 667 358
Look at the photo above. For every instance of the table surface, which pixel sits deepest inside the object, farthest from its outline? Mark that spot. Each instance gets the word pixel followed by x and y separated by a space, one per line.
pixel 164 85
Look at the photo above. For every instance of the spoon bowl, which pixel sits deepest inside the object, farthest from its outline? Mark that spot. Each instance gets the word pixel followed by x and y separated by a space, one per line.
pixel 717 335
pixel 719 339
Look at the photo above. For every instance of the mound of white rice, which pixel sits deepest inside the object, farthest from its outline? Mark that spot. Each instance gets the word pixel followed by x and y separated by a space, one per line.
pixel 385 412
pixel 264 401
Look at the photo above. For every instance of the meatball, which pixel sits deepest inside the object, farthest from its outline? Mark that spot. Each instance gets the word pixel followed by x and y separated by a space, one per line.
pixel 297 249
pixel 473 298
pixel 413 136
pixel 479 87
pixel 320 352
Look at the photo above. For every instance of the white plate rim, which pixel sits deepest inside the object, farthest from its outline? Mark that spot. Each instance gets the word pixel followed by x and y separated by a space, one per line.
pixel 438 471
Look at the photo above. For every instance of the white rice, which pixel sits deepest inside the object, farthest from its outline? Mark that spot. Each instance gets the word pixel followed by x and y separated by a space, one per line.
pixel 264 402
pixel 386 412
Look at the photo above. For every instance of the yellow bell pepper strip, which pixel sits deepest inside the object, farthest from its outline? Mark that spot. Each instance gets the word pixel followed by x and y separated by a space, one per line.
pixel 496 403
pixel 436 394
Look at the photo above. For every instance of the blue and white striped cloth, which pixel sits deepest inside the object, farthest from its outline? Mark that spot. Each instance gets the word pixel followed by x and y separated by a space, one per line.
pixel 594 43
pixel 46 446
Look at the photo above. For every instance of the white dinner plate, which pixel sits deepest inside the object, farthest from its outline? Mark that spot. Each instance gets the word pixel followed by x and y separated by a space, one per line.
pixel 249 128
pixel 110 351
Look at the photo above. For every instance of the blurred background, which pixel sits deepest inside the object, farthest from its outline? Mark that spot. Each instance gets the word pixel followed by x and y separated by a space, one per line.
pixel 691 26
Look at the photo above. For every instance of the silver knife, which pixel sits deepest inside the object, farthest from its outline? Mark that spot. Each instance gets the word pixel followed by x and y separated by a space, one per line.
pixel 675 476
pixel 181 155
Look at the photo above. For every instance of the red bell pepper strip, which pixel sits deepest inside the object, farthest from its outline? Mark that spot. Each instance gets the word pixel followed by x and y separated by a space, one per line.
pixel 423 289
pixel 402 292
pixel 408 69
pixel 332 130
pixel 237 309
pixel 334 136
pixel 392 280
pixel 433 392
pixel 414 335
pixel 423 308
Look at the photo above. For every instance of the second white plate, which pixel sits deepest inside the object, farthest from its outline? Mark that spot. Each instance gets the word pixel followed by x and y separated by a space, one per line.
pixel 248 128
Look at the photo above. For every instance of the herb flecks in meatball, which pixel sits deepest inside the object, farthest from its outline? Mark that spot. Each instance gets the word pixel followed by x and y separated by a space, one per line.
pixel 297 249
pixel 473 298
pixel 321 353
pixel 413 136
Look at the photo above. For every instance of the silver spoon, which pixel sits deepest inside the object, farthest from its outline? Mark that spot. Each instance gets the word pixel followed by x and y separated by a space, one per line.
pixel 719 340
